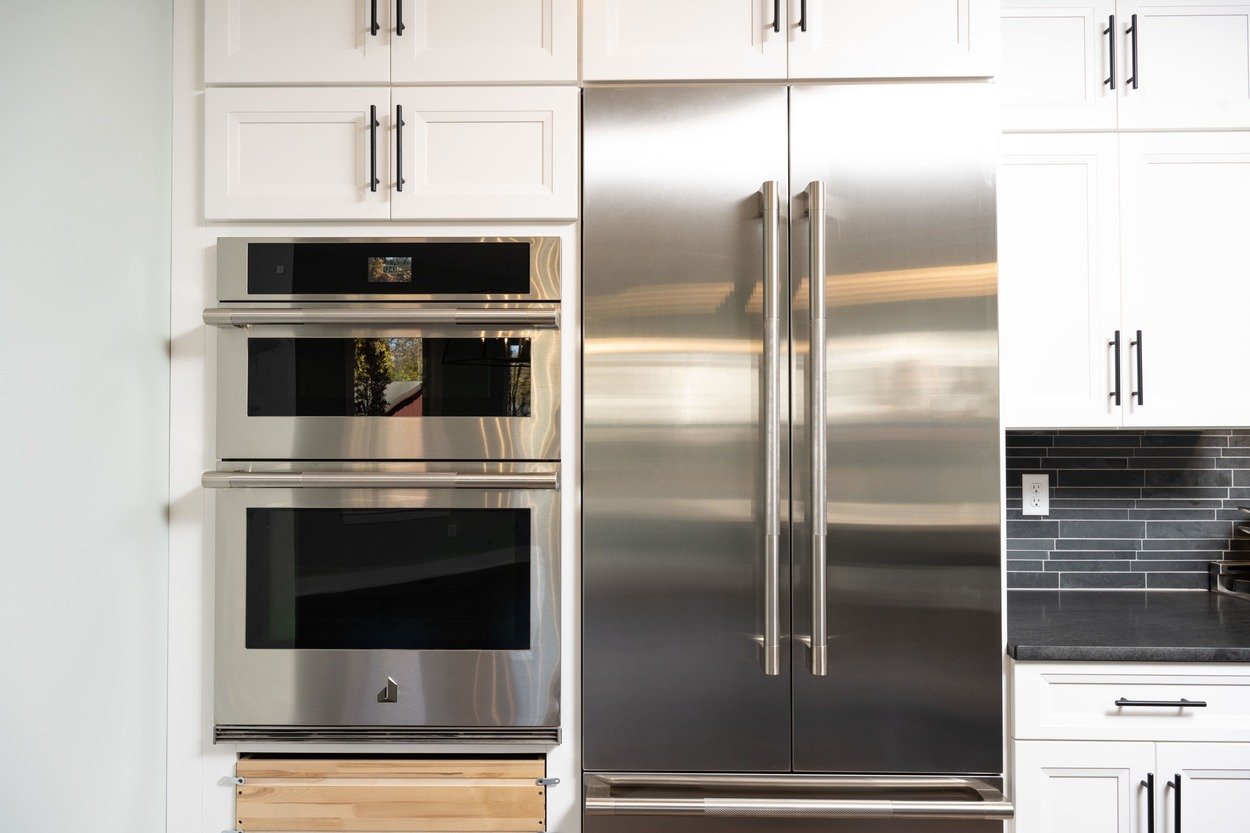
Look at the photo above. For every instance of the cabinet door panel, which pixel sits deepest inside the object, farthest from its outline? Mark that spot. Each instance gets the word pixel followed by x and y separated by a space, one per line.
pixel 1185 199
pixel 299 154
pixel 1059 291
pixel 488 153
pixel 487 41
pixel 295 41
pixel 1077 787
pixel 1215 786
pixel 1056 65
pixel 894 38
pixel 1193 65
pixel 663 40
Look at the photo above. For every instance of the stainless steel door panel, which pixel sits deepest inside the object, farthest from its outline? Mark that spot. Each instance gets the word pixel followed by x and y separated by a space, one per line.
pixel 912 589
pixel 243 437
pixel 674 445
pixel 340 688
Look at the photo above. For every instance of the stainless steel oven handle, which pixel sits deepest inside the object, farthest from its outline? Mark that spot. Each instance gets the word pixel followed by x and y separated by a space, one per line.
pixel 545 318
pixel 377 480
pixel 772 429
pixel 818 647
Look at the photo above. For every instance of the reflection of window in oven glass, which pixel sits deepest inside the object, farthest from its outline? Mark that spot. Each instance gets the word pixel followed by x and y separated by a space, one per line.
pixel 390 270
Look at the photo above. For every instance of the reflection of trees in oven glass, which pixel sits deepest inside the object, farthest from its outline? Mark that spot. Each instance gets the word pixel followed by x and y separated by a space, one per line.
pixel 442 377
pixel 373 370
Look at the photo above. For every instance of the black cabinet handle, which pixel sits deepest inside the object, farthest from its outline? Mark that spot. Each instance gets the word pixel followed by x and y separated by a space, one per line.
pixel 1174 704
pixel 802 15
pixel 776 15
pixel 1112 35
pixel 1149 784
pixel 1175 784
pixel 373 16
pixel 1141 399
pixel 399 147
pixel 399 17
pixel 1115 394
pixel 373 147
pixel 1132 30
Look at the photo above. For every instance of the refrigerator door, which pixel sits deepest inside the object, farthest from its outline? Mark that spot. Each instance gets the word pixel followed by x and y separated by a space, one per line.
pixel 898 649
pixel 679 519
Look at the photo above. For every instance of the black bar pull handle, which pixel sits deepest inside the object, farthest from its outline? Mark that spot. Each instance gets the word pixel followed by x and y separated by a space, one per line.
pixel 1115 342
pixel 1173 704
pixel 399 147
pixel 802 15
pixel 1132 30
pixel 1175 784
pixel 1149 784
pixel 373 147
pixel 1112 35
pixel 399 18
pixel 373 18
pixel 1139 393
pixel 776 15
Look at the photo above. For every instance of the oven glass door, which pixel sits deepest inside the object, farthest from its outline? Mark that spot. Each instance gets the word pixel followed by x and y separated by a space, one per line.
pixel 387 606
pixel 387 392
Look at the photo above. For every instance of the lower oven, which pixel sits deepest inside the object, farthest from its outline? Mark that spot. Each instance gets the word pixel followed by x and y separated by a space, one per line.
pixel 387 601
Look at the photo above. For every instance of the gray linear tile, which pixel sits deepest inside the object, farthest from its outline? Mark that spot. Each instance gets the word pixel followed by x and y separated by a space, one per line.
pixel 1179 503
pixel 1180 555
pixel 1107 581
pixel 1114 566
pixel 1032 529
pixel 1173 514
pixel 1084 463
pixel 1176 581
pixel 1027 555
pixel 1123 479
pixel 1187 478
pixel 1188 529
pixel 1030 543
pixel 1172 463
pixel 1096 544
pixel 1102 529
pixel 1192 565
pixel 1033 581
pixel 1184 544
pixel 1155 492
pixel 1025 566
pixel 1093 555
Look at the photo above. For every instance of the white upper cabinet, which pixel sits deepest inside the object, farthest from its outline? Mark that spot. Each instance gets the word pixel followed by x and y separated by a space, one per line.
pixel 1214 783
pixel 691 39
pixel 1059 280
pixel 485 41
pixel 486 153
pixel 297 41
pixel 1185 200
pixel 296 153
pixel 1057 65
pixel 893 38
pixel 1192 64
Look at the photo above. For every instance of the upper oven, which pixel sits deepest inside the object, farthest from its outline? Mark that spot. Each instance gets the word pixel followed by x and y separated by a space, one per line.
pixel 388 349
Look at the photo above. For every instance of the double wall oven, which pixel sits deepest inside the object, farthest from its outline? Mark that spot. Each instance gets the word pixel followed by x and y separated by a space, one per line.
pixel 387 508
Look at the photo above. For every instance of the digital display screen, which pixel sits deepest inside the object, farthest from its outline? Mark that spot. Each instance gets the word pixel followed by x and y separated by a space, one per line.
pixel 390 270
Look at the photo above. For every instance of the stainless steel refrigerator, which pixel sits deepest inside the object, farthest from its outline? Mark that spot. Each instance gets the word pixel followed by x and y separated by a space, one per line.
pixel 753 659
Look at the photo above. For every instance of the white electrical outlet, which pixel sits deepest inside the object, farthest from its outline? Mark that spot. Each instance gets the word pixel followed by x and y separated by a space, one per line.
pixel 1036 493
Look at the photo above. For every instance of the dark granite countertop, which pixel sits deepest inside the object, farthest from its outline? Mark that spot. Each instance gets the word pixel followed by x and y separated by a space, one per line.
pixel 1127 626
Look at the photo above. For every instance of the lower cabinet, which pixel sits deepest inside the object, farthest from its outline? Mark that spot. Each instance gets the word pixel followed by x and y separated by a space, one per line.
pixel 1206 786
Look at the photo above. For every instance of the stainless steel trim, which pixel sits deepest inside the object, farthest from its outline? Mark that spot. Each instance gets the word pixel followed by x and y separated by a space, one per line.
pixel 775 797
pixel 818 648
pixel 545 317
pixel 232 733
pixel 377 480
pixel 771 655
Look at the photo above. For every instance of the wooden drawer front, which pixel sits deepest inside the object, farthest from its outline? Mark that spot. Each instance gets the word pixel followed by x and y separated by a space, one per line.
pixel 378 794
pixel 1078 702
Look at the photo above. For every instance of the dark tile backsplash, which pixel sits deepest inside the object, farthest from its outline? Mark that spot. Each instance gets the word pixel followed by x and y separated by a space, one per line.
pixel 1128 509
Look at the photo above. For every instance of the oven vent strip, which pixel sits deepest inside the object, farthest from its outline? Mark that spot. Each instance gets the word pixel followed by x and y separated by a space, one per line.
pixel 227 733
pixel 531 318
pixel 378 480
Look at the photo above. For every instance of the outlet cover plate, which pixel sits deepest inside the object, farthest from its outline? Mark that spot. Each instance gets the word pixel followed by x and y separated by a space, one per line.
pixel 1036 493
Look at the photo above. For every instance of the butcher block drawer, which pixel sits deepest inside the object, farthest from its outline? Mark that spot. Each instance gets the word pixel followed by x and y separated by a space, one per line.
pixel 1120 701
pixel 383 795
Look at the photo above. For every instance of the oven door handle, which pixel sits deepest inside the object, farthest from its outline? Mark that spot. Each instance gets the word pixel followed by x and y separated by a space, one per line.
pixel 378 480
pixel 529 318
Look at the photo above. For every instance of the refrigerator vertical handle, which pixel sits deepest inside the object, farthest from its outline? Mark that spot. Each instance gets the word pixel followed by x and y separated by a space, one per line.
pixel 770 210
pixel 817 510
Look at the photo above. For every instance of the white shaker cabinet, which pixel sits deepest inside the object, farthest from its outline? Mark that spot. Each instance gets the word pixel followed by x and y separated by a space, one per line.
pixel 1059 279
pixel 1056 68
pixel 486 153
pixel 1185 201
pixel 1081 787
pixel 296 153
pixel 297 41
pixel 1214 792
pixel 893 38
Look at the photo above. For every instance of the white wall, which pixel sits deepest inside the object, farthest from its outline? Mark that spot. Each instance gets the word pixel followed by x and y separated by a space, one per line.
pixel 84 323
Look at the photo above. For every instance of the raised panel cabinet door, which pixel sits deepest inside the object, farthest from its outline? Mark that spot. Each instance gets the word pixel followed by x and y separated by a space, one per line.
pixel 279 153
pixel 1059 280
pixel 1082 787
pixel 1185 200
pixel 1192 68
pixel 485 42
pixel 297 41
pixel 627 40
pixel 893 38
pixel 486 153
pixel 1214 787
pixel 1056 71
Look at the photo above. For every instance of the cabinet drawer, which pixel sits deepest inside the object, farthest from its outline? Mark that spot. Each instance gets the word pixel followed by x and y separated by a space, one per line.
pixel 1078 701
pixel 391 794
